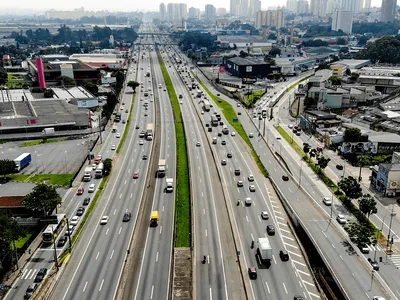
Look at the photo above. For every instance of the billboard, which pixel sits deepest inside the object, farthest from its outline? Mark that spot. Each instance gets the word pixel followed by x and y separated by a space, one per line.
pixel 249 80
pixel 88 103
pixel 358 148
pixel 249 69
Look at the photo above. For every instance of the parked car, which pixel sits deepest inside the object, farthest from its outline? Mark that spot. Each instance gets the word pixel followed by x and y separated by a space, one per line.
pixel 374 264
pixel 74 221
pixel 327 201
pixel 341 219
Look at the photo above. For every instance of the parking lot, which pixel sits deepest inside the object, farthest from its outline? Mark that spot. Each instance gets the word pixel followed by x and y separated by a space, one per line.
pixel 64 157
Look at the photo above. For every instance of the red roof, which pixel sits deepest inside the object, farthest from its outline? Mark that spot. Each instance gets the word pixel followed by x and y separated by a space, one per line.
pixel 11 201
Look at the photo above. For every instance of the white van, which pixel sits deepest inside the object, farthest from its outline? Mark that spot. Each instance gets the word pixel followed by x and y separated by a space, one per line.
pixel 92 188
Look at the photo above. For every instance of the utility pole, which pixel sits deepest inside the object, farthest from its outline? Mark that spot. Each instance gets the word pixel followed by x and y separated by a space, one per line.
pixel 55 250
pixel 392 214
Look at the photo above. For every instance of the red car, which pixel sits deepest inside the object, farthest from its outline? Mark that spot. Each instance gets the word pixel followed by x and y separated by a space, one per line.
pixel 80 191
pixel 136 175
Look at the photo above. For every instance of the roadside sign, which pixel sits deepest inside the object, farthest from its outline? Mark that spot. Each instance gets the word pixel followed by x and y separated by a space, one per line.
pixel 235 120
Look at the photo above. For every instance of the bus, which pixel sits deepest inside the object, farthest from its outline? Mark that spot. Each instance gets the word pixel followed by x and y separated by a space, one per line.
pixel 118 117
pixel 214 120
pixel 51 232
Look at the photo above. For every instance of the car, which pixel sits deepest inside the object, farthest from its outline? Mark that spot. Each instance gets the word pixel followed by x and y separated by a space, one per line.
pixel 290 126
pixel 297 297
pixel 240 183
pixel 252 188
pixel 180 96
pixel 198 144
pixel 41 274
pixel 223 162
pixel 223 142
pixel 181 102
pixel 238 104
pixel 247 201
pixel 92 187
pixel 80 191
pixel 137 127
pixel 298 133
pixel 80 211
pixel 30 290
pixel 220 133
pixel 94 167
pixel 374 264
pixel 123 121
pixel 237 172
pixel 364 249
pixel 271 230
pixel 142 134
pixel 378 298
pixel 252 273
pixel 145 114
pixel 126 217
pixel 74 221
pixel 86 201
pixel 285 178
pixel 239 113
pixel 284 255
pixel 250 177
pixel 327 201
pixel 141 142
pixel 341 219
pixel 165 90
pixel 135 175
pixel 233 133
pixel 126 110
pixel 251 135
pixel 209 129
pixel 113 147
pixel 264 215
pixel 104 220
pixel 221 123
pixel 339 167
pixel 229 155
pixel 144 157
pixel 61 241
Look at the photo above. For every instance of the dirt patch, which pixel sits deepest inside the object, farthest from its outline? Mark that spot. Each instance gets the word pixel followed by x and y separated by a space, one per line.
pixel 182 288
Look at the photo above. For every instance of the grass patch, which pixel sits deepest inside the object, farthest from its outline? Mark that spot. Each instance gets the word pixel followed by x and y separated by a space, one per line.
pixel 42 141
pixel 183 221
pixel 230 114
pixel 53 179
pixel 21 241
pixel 128 124
pixel 90 209
pixel 254 96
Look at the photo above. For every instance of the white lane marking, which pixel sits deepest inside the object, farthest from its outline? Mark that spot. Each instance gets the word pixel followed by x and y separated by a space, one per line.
pixel 160 229
pixel 152 290
pixel 302 272
pixel 84 288
pixel 107 230
pixel 115 211
pixel 120 230
pixel 97 256
pixel 297 262
pixel 284 286
pixel 157 257
pixel 131 195
pixel 101 285
pixel 266 283
pixel 112 254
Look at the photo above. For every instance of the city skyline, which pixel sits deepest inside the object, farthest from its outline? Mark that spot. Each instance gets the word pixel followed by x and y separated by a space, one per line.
pixel 120 6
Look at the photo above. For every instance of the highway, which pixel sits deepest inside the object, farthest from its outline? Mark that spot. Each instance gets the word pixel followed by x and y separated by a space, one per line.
pixel 282 278
pixel 218 277
pixel 354 275
pixel 102 248
pixel 155 269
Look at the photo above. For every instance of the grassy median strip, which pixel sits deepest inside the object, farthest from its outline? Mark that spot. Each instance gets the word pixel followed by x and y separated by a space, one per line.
pixel 128 125
pixel 297 82
pixel 183 222
pixel 230 115
pixel 53 179
pixel 42 141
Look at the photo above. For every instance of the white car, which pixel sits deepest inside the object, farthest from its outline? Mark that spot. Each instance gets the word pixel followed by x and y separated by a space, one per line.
pixel 252 188
pixel 198 144
pixel 118 135
pixel 233 133
pixel 240 183
pixel 251 135
pixel 141 142
pixel 247 201
pixel 69 230
pixel 251 177
pixel 181 102
pixel 94 167
pixel 341 219
pixel 113 147
pixel 104 220
pixel 327 201
pixel 290 126
pixel 264 215
pixel 74 221
pixel 92 187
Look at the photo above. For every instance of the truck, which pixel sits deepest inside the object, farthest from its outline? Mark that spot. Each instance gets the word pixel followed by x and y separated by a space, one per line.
pixel 99 170
pixel 264 113
pixel 169 188
pixel 114 128
pixel 87 174
pixel 149 131
pixel 161 168
pixel 22 161
pixel 206 105
pixel 49 130
pixel 214 121
pixel 264 250
pixel 199 93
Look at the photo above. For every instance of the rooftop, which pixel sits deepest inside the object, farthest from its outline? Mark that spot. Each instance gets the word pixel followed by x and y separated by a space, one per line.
pixel 248 61
pixel 384 137
pixel 11 201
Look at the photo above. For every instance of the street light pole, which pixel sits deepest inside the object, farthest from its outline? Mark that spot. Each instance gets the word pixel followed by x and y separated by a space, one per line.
pixel 377 236
pixel 392 214
pixel 55 250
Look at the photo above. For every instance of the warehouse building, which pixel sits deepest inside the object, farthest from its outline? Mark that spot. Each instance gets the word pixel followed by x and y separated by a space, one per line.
pixel 249 67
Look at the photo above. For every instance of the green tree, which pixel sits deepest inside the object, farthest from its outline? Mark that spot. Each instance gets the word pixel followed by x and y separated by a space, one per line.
pixel 275 51
pixel 341 41
pixel 323 162
pixel 43 198
pixel 48 93
pixel 335 80
pixel 367 205
pixel 7 167
pixel 352 135
pixel 269 60
pixel 3 76
pixel 363 40
pixel 351 187
pixel 107 165
pixel 384 50
pixel 66 81
pixel 10 231
pixel 133 85
pixel 361 234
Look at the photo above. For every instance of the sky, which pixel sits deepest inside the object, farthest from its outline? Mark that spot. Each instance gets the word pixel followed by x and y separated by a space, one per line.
pixel 121 5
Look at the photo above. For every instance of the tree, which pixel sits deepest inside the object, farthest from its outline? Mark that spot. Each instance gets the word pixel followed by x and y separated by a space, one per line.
pixel 384 50
pixel 243 54
pixel 272 36
pixel 107 165
pixel 352 135
pixel 363 40
pixel 66 81
pixel 10 231
pixel 48 93
pixel 323 162
pixel 351 187
pixel 269 60
pixel 133 85
pixel 341 41
pixel 43 198
pixel 361 234
pixel 275 51
pixel 367 205
pixel 7 167
pixel 3 76
pixel 335 80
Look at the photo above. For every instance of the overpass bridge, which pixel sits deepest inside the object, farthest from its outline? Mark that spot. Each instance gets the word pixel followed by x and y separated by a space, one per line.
pixel 153 33
pixel 156 44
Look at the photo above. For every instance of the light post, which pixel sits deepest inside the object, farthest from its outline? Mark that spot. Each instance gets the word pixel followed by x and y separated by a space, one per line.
pixel 55 250
pixel 377 236
pixel 392 214
pixel 331 204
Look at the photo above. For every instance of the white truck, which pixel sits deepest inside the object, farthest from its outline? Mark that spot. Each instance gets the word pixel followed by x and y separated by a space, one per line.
pixel 161 168
pixel 206 105
pixel 49 130
pixel 99 170
pixel 170 187
pixel 149 131
pixel 87 175
pixel 264 250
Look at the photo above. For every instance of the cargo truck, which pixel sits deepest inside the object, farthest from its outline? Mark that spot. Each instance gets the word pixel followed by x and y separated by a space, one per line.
pixel 22 161
pixel 87 175
pixel 206 105
pixel 264 250
pixel 149 131
pixel 161 168
pixel 99 170
pixel 170 187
